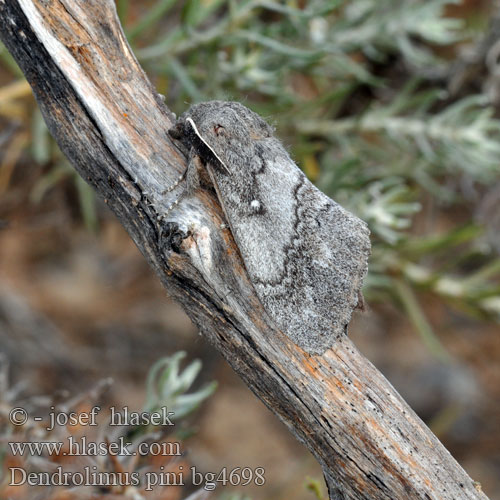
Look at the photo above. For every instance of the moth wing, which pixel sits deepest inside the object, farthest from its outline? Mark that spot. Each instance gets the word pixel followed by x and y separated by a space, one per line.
pixel 305 255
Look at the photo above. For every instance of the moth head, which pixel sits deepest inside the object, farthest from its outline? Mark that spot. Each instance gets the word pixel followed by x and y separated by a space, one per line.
pixel 228 122
pixel 221 132
pixel 179 132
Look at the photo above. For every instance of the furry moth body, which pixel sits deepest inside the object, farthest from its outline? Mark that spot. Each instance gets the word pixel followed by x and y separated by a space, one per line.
pixel 305 255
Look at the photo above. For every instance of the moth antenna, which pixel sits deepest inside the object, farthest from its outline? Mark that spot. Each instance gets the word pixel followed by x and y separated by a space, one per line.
pixel 203 144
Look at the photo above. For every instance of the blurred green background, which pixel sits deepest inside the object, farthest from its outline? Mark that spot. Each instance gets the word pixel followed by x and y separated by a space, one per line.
pixel 392 108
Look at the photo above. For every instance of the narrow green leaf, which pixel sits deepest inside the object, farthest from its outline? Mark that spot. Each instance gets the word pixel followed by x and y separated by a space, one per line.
pixel 417 317
pixel 87 198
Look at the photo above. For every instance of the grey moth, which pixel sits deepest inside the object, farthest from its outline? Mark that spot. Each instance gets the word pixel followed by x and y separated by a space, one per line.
pixel 306 256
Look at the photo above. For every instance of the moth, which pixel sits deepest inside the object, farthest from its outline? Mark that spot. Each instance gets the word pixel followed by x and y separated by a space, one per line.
pixel 306 256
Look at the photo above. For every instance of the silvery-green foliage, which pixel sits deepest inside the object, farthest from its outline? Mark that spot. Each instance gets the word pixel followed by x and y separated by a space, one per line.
pixel 168 386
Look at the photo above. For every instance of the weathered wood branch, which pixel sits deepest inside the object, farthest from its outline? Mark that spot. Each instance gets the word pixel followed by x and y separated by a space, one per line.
pixel 108 120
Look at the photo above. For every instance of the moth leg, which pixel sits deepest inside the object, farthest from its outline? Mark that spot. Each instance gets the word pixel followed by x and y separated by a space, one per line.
pixel 181 177
pixel 196 173
pixel 175 184
pixel 193 177
pixel 361 305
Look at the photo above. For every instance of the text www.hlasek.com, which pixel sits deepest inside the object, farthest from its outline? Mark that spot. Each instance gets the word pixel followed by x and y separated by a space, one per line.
pixel 83 447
